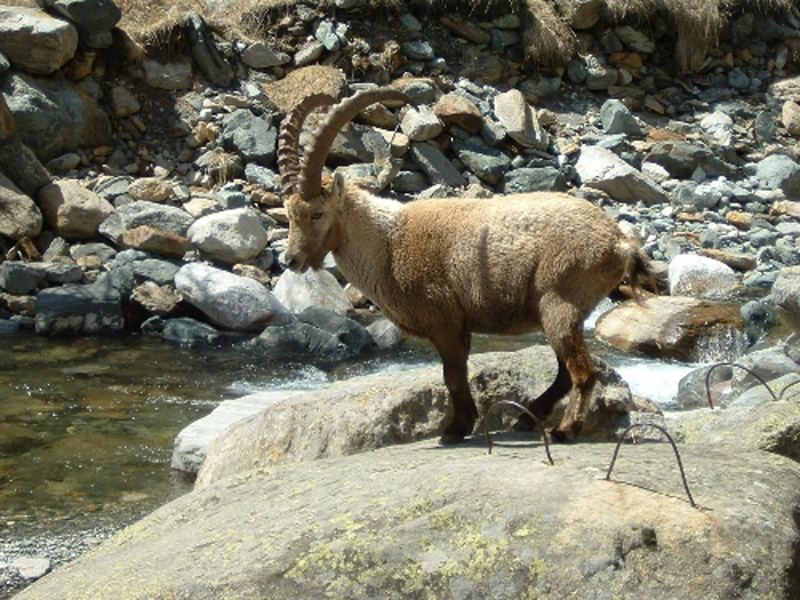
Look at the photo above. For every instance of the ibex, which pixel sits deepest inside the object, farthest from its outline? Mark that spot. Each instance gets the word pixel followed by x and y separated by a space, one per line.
pixel 443 269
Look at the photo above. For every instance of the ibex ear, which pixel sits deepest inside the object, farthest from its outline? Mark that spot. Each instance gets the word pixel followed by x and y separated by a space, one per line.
pixel 338 184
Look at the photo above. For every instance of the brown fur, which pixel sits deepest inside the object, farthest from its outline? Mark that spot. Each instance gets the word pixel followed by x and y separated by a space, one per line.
pixel 443 269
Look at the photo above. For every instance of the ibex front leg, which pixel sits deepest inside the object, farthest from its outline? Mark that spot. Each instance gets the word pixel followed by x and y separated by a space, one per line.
pixel 454 352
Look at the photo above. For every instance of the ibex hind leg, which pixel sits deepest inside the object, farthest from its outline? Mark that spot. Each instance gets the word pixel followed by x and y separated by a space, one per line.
pixel 563 325
pixel 543 405
pixel 454 352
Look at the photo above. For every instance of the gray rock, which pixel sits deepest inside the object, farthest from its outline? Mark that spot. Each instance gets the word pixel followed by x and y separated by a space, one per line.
pixel 584 14
pixel 104 252
pixel 696 197
pixel 23 28
pixel 790 116
pixel 368 412
pixel 436 166
pixel 738 79
pixel 355 337
pixel 32 568
pixel 779 172
pixel 5 64
pixel 175 75
pixel 519 120
pixel 309 53
pixel 759 318
pixel 205 53
pixel 700 277
pixel 113 187
pixel 681 159
pixel 20 278
pixel 228 300
pixel 410 182
pixel 764 127
pixel 185 331
pixel 65 162
pixel 617 118
pixel 94 18
pixel 418 50
pixel 78 309
pixel 490 164
pixel 301 341
pixel 136 214
pixel 718 128
pixel 602 169
pixel 262 56
pixel 635 40
pixel 385 334
pixel 598 75
pixel 54 116
pixel 22 166
pixel 421 125
pixel 327 36
pixel 411 526
pixel 534 179
pixel 72 211
pixel 19 215
pixel 193 441
pixel 786 292
pixel 231 236
pixel 299 291
pixel 252 137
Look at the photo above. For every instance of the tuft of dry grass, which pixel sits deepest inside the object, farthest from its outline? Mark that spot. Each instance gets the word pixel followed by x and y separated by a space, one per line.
pixel 549 42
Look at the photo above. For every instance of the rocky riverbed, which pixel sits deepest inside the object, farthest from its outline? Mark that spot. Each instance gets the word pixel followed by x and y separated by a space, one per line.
pixel 139 192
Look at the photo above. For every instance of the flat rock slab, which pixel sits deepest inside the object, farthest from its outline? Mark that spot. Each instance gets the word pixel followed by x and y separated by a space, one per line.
pixel 421 521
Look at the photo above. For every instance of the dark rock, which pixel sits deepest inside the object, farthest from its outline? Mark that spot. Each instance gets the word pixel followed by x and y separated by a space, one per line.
pixel 184 331
pixel 490 164
pixel 539 179
pixel 78 309
pixel 94 18
pixel 436 166
pixel 205 52
pixel 252 137
pixel 355 337
pixel 21 166
pixel 681 159
pixel 302 340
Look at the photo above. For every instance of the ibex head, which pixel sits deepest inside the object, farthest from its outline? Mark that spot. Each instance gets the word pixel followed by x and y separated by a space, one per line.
pixel 313 202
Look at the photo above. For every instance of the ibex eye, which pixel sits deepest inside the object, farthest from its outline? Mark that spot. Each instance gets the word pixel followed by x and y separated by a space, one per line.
pixel 316 216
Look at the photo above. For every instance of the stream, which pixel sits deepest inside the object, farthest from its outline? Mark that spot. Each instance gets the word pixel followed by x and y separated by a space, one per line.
pixel 87 425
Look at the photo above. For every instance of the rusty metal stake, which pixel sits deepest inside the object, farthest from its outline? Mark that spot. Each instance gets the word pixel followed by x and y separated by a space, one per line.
pixel 732 364
pixel 794 383
pixel 530 414
pixel 674 448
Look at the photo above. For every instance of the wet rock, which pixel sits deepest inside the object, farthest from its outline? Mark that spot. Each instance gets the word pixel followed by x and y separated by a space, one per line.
pixel 675 327
pixel 301 341
pixel 436 166
pixel 519 120
pixel 786 292
pixel 617 118
pixel 299 291
pixel 72 211
pixel 19 215
pixel 700 277
pixel 78 309
pixel 136 214
pixel 490 164
pixel 355 337
pixel 23 28
pixel 602 169
pixel 534 179
pixel 94 19
pixel 157 241
pixel 231 236
pixel 253 138
pixel 759 318
pixel 779 172
pixel 262 56
pixel 175 75
pixel 229 301
pixel 54 116
pixel 421 125
pixel 185 331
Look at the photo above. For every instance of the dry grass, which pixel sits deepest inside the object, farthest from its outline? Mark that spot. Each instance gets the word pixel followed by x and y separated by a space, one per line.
pixel 549 42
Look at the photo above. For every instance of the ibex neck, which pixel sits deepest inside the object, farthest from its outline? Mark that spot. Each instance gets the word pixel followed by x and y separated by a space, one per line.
pixel 364 251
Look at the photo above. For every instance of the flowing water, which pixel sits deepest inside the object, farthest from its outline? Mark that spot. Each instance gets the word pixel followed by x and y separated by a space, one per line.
pixel 87 425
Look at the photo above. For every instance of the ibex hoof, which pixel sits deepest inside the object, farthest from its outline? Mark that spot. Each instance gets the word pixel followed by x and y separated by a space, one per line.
pixel 450 439
pixel 566 434
pixel 523 423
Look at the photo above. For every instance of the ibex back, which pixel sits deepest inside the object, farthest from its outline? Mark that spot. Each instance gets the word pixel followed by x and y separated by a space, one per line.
pixel 443 269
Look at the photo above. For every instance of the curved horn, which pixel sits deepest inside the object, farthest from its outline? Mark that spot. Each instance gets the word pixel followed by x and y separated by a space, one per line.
pixel 340 115
pixel 289 139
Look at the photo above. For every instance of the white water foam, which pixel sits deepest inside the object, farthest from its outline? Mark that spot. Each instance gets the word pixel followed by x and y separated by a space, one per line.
pixel 655 380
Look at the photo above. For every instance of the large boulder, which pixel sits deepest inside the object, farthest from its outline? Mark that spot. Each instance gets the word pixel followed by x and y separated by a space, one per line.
pixel 137 214
pixel 19 215
pixel 299 291
pixel 229 300
pixel 602 169
pixel 231 236
pixel 677 327
pixel 34 41
pixel 700 276
pixel 419 521
pixel 54 116
pixel 94 19
pixel 372 411
pixel 72 211
pixel 79 309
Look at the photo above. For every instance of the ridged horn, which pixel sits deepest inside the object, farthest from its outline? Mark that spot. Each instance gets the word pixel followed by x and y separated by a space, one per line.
pixel 338 117
pixel 289 139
